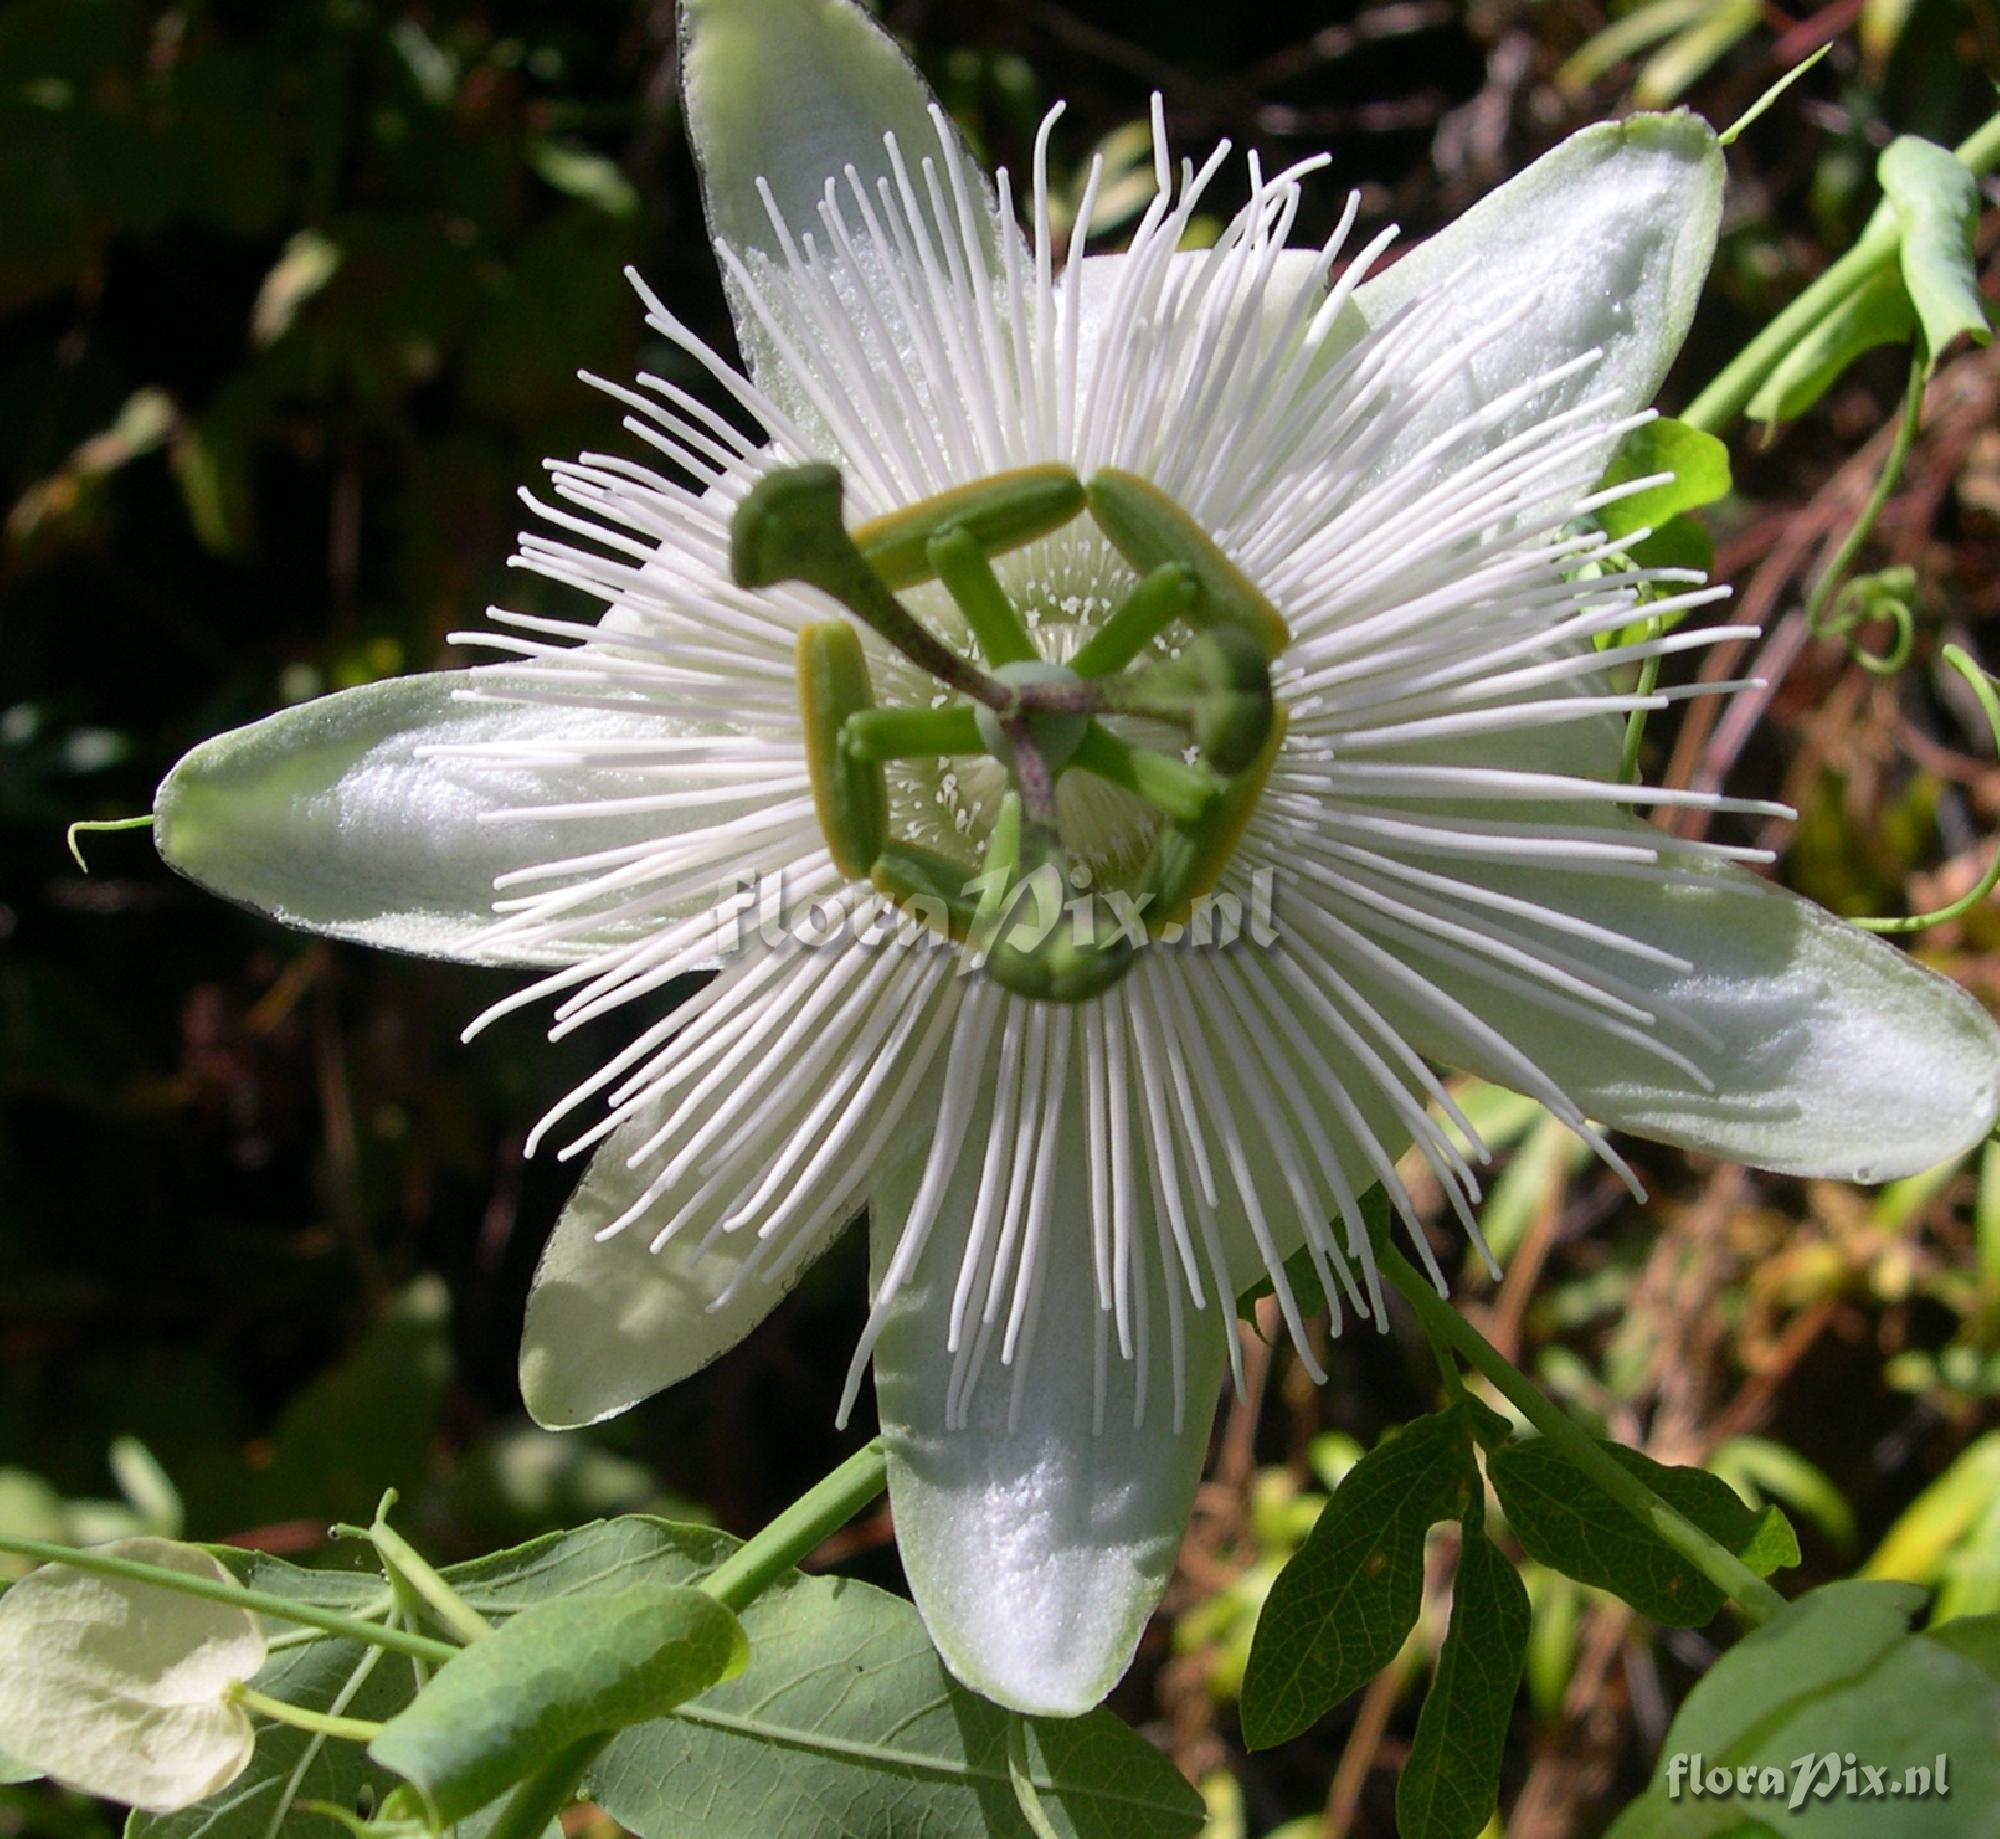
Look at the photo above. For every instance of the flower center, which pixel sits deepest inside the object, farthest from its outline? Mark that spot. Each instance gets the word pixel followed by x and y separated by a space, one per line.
pixel 1135 760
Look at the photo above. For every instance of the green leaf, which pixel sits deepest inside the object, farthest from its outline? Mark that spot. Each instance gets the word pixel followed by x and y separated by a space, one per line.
pixel 844 1707
pixel 1936 201
pixel 1564 1521
pixel 845 1723
pixel 1698 462
pixel 1451 1782
pixel 1338 1613
pixel 325 1674
pixel 121 1688
pixel 579 173
pixel 559 1671
pixel 368 1422
pixel 1837 1675
pixel 1876 313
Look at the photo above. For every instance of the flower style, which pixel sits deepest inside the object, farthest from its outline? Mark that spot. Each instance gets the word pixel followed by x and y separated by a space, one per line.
pixel 1382 488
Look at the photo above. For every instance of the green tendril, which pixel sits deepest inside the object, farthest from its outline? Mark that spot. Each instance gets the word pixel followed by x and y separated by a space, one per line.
pixel 102 823
pixel 1851 611
pixel 1981 684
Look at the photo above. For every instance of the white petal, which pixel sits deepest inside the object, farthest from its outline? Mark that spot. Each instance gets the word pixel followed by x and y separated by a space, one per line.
pixel 1606 240
pixel 791 93
pixel 1037 1553
pixel 611 1322
pixel 1831 1052
pixel 745 1174
pixel 325 817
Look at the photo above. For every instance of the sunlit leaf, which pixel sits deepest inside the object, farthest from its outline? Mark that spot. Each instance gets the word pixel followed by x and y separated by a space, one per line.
pixel 1936 200
pixel 846 1723
pixel 310 260
pixel 1697 461
pixel 558 1671
pixel 1836 1677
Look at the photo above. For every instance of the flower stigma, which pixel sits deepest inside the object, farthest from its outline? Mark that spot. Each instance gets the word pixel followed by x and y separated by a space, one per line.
pixel 1128 770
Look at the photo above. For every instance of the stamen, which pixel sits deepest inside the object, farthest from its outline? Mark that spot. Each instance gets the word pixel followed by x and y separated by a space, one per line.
pixel 849 792
pixel 1148 528
pixel 875 735
pixel 1163 597
pixel 960 563
pixel 1185 793
pixel 1000 512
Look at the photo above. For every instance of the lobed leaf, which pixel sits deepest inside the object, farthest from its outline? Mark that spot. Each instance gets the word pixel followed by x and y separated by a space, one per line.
pixel 1341 1609
pixel 1451 1783
pixel 1566 1522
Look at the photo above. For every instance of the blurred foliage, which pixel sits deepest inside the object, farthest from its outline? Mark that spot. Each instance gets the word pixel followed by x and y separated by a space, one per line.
pixel 292 298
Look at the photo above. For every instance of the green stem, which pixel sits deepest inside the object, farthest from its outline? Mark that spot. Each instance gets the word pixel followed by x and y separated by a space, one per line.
pixel 824 1508
pixel 539 1800
pixel 1850 547
pixel 1635 723
pixel 400 1557
pixel 235 1596
pixel 1183 792
pixel 1752 1595
pixel 321 1723
pixel 1722 401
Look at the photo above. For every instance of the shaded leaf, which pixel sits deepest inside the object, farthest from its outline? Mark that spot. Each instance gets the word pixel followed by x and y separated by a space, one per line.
pixel 1565 1521
pixel 1301 1274
pixel 1338 1613
pixel 1451 1783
